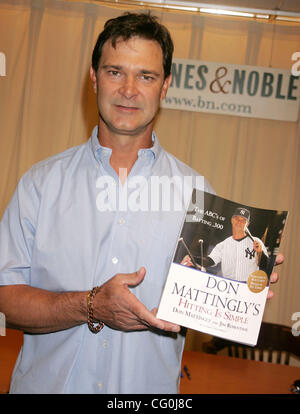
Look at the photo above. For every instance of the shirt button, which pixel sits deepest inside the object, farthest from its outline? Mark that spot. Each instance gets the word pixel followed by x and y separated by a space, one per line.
pixel 115 260
pixel 100 385
pixel 122 220
pixel 104 344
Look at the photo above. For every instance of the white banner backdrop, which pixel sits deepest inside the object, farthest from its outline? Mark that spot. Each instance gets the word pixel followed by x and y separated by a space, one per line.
pixel 221 88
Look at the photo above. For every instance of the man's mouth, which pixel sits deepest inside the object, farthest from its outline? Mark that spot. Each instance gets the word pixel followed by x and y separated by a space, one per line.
pixel 127 108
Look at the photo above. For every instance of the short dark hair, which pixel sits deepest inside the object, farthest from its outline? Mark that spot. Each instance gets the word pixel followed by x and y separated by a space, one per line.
pixel 129 25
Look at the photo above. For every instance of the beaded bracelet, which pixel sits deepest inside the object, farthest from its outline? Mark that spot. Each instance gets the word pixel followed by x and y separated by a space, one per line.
pixel 91 319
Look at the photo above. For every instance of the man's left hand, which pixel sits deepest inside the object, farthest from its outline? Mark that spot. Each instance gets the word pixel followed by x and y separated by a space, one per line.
pixel 274 276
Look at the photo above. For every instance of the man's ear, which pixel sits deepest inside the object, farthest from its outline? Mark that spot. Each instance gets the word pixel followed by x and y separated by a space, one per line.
pixel 93 78
pixel 165 87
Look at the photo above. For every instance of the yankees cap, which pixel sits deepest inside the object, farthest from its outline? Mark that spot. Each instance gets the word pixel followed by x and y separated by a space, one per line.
pixel 243 212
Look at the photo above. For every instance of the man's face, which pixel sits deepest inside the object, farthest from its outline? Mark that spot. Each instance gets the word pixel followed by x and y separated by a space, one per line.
pixel 238 223
pixel 130 85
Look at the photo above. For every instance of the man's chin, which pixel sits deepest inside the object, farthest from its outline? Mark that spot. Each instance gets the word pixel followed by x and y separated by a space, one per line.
pixel 127 130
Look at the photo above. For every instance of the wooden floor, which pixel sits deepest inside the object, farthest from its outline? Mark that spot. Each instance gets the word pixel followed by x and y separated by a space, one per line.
pixel 10 345
pixel 216 374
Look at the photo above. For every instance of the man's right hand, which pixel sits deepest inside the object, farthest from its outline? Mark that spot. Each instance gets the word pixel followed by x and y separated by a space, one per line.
pixel 118 307
pixel 35 310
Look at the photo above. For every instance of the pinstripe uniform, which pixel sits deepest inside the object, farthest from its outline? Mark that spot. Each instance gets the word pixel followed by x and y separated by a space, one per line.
pixel 238 258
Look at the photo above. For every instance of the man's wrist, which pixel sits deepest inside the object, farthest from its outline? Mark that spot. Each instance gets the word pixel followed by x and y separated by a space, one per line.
pixel 94 325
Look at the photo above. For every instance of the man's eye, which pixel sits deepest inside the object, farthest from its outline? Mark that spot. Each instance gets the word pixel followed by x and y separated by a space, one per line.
pixel 147 78
pixel 114 72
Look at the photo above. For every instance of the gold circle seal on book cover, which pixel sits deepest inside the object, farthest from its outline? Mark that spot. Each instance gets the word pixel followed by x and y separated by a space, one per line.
pixel 257 281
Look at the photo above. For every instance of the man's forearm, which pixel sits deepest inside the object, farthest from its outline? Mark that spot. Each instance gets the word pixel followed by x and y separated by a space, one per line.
pixel 40 311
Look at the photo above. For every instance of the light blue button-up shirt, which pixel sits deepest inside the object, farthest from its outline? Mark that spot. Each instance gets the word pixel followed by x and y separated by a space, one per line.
pixel 70 226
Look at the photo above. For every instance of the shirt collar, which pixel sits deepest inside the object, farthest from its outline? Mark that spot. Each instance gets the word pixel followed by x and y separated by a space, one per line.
pixel 99 150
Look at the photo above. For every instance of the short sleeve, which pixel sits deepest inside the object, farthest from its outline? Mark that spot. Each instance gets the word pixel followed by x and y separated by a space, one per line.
pixel 17 233
pixel 216 253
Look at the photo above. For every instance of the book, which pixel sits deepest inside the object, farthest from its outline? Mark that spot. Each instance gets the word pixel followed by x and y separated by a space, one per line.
pixel 219 277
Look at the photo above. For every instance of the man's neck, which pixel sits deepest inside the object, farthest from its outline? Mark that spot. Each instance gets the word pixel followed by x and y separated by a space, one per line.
pixel 124 148
pixel 238 235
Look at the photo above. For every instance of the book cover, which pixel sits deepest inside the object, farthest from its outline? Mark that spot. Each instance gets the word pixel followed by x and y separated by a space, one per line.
pixel 218 280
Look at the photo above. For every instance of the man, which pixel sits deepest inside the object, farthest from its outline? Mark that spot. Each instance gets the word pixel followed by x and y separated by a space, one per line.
pixel 58 242
pixel 239 254
pixel 69 255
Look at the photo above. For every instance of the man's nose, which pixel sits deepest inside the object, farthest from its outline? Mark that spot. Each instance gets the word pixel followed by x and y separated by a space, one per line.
pixel 129 87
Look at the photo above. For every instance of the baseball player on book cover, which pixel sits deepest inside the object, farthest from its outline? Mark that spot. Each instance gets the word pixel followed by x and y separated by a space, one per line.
pixel 239 254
